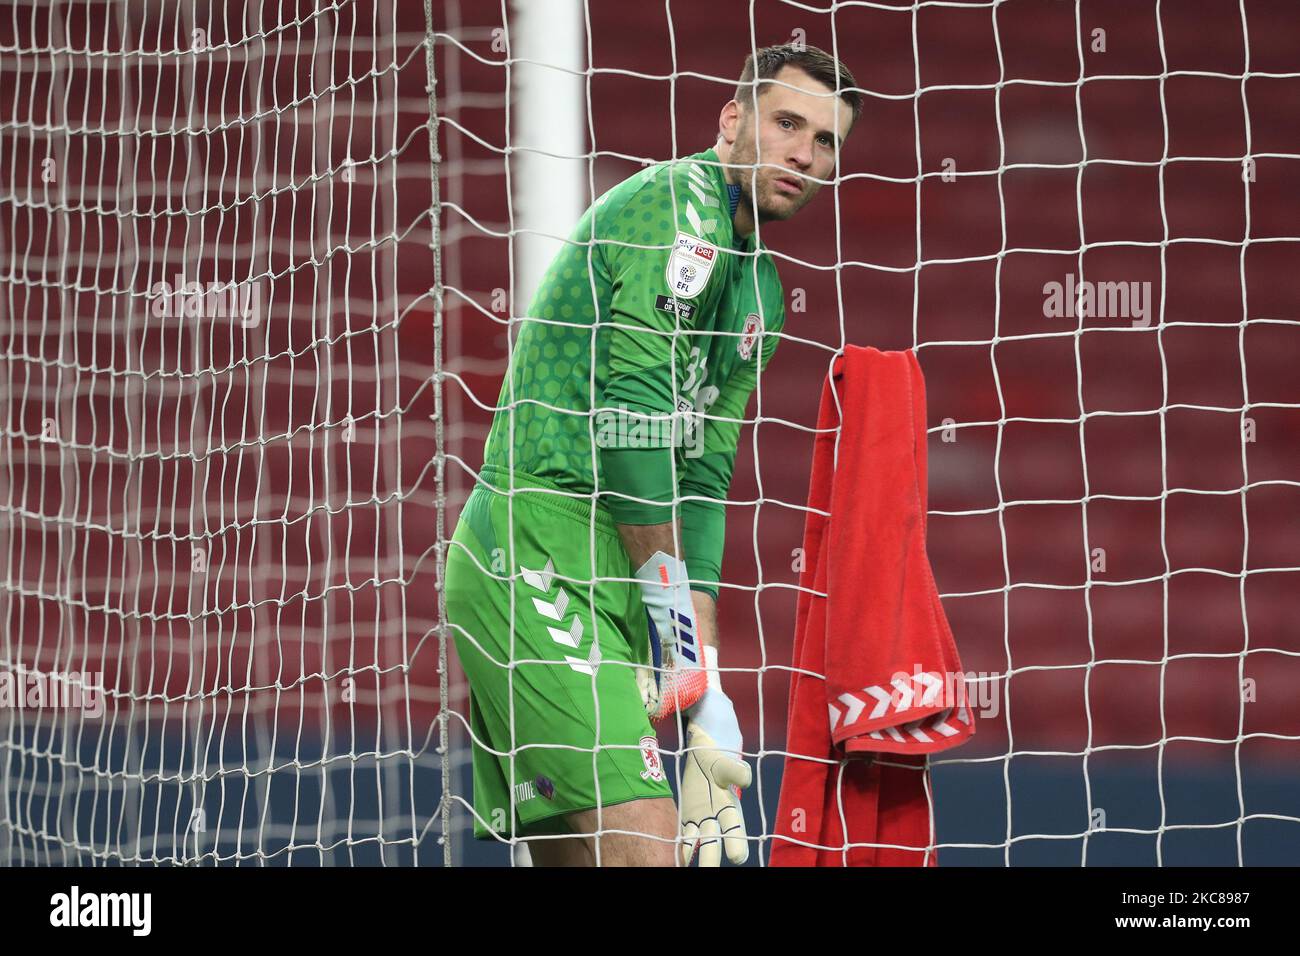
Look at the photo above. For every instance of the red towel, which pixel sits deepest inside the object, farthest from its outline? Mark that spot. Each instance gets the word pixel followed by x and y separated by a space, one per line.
pixel 878 683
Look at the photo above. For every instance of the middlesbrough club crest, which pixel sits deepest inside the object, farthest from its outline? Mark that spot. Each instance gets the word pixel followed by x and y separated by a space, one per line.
pixel 749 335
pixel 654 769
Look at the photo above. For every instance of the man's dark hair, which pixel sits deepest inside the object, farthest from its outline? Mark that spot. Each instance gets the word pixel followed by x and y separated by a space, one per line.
pixel 817 63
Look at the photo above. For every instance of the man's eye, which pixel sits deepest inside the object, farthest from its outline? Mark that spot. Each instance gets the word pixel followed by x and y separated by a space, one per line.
pixel 786 122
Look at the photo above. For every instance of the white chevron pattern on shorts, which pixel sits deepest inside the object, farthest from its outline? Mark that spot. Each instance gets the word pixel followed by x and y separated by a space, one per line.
pixel 553 609
pixel 539 579
pixel 572 637
pixel 589 665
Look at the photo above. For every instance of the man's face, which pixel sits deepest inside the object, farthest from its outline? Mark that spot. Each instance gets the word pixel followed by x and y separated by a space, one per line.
pixel 795 137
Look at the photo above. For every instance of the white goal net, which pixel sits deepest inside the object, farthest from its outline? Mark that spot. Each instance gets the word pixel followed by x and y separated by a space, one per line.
pixel 261 264
pixel 218 469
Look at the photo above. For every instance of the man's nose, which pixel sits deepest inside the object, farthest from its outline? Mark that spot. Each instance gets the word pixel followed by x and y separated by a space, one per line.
pixel 801 152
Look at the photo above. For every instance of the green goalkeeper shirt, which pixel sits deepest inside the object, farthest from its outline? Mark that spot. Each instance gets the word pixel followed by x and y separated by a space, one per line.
pixel 632 371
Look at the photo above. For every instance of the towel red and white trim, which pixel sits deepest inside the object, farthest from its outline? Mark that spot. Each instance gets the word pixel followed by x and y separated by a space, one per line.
pixel 878 684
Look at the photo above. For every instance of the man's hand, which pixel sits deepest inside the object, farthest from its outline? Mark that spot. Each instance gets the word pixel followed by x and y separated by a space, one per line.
pixel 677 680
pixel 715 774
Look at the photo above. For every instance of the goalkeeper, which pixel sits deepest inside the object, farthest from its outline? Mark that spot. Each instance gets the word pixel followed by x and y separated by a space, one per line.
pixel 583 571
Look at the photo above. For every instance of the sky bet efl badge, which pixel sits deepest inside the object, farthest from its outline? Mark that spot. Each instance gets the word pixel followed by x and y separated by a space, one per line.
pixel 689 266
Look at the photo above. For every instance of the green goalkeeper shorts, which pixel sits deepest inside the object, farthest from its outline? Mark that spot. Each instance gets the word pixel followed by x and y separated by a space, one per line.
pixel 564 728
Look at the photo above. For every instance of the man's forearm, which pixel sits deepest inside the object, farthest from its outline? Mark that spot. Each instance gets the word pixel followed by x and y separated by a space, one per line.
pixel 643 540
pixel 706 617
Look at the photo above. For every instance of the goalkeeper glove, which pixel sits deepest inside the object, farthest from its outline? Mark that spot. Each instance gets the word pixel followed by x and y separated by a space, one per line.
pixel 677 679
pixel 715 774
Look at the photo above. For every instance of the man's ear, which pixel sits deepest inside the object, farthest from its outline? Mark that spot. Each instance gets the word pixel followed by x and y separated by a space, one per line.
pixel 729 122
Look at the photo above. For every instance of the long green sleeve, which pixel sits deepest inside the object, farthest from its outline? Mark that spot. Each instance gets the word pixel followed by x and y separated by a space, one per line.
pixel 709 476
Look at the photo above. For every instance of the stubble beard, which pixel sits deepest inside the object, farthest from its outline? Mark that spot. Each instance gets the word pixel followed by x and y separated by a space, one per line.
pixel 748 174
